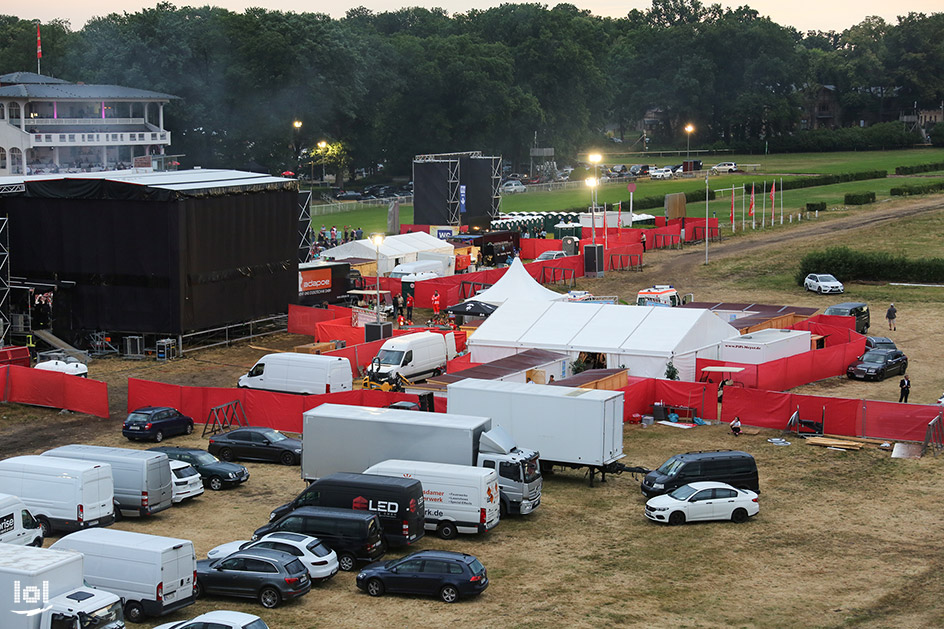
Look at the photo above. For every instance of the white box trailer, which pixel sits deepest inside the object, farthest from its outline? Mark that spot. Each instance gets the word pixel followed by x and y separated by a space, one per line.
pixel 764 345
pixel 153 575
pixel 42 588
pixel 568 426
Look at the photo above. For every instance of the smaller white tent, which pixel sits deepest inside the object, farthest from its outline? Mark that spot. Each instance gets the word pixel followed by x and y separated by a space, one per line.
pixel 516 283
pixel 394 250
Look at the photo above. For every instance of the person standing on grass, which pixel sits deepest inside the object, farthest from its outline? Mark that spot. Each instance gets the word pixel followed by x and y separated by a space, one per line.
pixel 890 314
pixel 905 386
pixel 435 304
pixel 736 426
pixel 642 239
pixel 409 307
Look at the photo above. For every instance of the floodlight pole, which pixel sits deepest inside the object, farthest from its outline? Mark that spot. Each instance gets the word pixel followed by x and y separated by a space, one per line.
pixel 706 218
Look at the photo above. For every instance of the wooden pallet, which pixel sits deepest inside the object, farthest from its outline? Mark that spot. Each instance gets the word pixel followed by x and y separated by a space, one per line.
pixel 827 442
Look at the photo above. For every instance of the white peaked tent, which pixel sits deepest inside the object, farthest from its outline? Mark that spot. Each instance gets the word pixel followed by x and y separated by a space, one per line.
pixel 516 283
pixel 642 338
pixel 394 250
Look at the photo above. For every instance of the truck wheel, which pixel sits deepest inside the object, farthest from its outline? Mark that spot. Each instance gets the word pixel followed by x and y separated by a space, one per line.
pixel 226 454
pixel 447 530
pixel 346 562
pixel 134 612
pixel 375 587
pixel 269 597
pixel 287 458
pixel 215 483
pixel 44 527
pixel 449 594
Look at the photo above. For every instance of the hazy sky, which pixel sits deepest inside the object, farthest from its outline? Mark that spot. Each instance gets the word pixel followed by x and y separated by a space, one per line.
pixel 802 14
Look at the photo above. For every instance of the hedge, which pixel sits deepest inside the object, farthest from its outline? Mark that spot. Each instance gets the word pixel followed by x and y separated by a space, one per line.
pixel 919 168
pixel 827 180
pixel 847 265
pixel 819 206
pixel 859 198
pixel 881 136
pixel 924 188
pixel 648 203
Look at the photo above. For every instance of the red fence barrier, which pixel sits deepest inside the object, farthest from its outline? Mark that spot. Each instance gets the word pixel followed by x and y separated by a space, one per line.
pixel 641 393
pixel 53 389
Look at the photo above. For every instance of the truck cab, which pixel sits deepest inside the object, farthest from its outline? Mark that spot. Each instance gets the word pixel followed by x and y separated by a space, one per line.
pixel 519 471
pixel 659 295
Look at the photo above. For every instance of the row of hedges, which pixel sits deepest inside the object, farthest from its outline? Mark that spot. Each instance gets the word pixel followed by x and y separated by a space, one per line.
pixel 649 203
pixel 828 180
pixel 882 136
pixel 919 168
pixel 925 188
pixel 859 198
pixel 847 264
pixel 819 206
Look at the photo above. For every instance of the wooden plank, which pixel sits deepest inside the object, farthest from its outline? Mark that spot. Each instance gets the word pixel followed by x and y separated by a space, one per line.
pixel 876 442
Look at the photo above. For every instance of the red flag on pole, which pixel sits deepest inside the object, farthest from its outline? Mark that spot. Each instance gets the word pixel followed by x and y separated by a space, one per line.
pixel 773 189
pixel 750 211
pixel 39 44
pixel 732 205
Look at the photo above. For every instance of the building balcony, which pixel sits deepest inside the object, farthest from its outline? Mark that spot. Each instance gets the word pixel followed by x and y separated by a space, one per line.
pixel 95 138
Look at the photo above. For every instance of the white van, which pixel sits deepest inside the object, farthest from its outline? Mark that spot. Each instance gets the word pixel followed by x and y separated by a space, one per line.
pixel 458 498
pixel 142 478
pixel 291 372
pixel 413 356
pixel 420 266
pixel 153 575
pixel 62 494
pixel 17 524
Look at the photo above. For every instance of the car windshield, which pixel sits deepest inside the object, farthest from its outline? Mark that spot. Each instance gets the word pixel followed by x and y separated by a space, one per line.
pixel 874 357
pixel 137 418
pixel 273 435
pixel 827 278
pixel 205 458
pixel 477 567
pixel 318 549
pixel 682 493
pixel 184 472
pixel 390 357
pixel 670 467
pixel 256 624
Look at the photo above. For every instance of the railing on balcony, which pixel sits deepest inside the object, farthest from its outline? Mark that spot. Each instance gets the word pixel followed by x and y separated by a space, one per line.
pixel 72 122
pixel 92 139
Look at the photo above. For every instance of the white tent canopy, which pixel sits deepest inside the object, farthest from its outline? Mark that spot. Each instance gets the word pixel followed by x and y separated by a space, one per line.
pixel 394 250
pixel 641 338
pixel 516 283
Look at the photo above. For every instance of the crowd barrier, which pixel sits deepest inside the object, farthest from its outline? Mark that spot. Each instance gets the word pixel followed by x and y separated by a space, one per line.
pixel 53 389
pixel 839 416
pixel 641 393
pixel 282 411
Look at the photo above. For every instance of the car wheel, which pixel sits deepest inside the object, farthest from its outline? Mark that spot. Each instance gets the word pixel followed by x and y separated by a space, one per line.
pixel 215 483
pixel 447 530
pixel 375 587
pixel 226 454
pixel 197 589
pixel 904 368
pixel 346 562
pixel 159 436
pixel 820 290
pixel 449 594
pixel 677 518
pixel 134 611
pixel 269 597
pixel 739 516
pixel 44 527
pixel 189 428
pixel 287 458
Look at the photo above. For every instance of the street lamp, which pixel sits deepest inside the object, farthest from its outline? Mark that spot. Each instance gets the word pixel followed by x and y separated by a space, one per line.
pixel 298 128
pixel 592 184
pixel 378 239
pixel 688 147
pixel 321 148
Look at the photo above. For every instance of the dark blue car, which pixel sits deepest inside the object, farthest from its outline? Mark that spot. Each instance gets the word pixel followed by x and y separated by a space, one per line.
pixel 156 422
pixel 442 573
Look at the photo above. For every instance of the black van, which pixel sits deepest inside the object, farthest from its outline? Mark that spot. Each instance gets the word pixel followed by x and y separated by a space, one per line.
pixel 733 467
pixel 855 309
pixel 353 535
pixel 398 502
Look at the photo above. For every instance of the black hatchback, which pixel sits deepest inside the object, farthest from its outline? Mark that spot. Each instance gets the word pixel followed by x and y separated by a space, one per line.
pixel 216 474
pixel 442 573
pixel 878 364
pixel 270 576
pixel 156 422
pixel 256 444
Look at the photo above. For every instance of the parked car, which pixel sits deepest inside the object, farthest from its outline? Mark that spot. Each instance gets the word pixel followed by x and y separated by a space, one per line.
pixel 879 342
pixel 348 195
pixel 725 167
pixel 706 500
pixel 660 173
pixel 216 474
pixel 321 561
pixel 445 574
pixel 856 309
pixel 724 466
pixel 823 283
pixel 219 619
pixel 187 481
pixel 156 422
pixel 878 364
pixel 270 576
pixel 550 255
pixel 256 443
pixel 513 186
pixel 638 170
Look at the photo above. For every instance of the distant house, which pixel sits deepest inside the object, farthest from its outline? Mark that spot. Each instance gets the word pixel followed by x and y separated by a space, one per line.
pixel 51 125
pixel 822 109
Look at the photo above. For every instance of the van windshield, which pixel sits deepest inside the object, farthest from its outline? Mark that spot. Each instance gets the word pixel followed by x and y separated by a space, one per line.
pixel 390 357
pixel 670 467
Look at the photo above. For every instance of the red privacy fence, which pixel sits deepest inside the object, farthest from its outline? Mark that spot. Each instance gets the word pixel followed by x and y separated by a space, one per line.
pixel 641 393
pixel 840 416
pixel 53 389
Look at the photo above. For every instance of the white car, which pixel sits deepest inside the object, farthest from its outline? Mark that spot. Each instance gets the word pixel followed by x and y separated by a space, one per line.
pixel 321 561
pixel 513 187
pixel 823 283
pixel 187 481
pixel 550 255
pixel 705 500
pixel 660 173
pixel 70 366
pixel 725 167
pixel 220 619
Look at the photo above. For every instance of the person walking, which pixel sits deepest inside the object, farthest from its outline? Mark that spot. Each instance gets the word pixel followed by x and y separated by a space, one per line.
pixel 409 307
pixel 890 315
pixel 736 426
pixel 905 386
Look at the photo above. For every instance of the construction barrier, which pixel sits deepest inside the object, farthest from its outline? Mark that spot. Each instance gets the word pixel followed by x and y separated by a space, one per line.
pixel 641 393
pixel 54 390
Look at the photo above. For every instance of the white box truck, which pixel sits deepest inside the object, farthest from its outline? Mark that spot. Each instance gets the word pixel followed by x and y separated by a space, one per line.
pixel 458 498
pixel 17 524
pixel 292 372
pixel 570 427
pixel 153 575
pixel 413 357
pixel 341 438
pixel 62 494
pixel 42 588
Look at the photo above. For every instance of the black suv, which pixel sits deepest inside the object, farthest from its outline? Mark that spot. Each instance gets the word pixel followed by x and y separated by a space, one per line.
pixel 733 467
pixel 855 309
pixel 441 573
pixel 271 576
pixel 216 474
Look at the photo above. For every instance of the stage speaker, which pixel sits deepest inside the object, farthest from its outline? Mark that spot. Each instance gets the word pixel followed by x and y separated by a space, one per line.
pixel 593 260
pixel 376 330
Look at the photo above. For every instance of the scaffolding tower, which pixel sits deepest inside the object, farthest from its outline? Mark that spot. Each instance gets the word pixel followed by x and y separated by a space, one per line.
pixel 453 181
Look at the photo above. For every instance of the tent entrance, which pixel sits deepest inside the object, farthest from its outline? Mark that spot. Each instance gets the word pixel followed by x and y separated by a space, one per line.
pixel 593 360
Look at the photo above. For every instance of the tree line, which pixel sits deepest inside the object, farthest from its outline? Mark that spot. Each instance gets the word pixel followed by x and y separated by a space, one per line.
pixel 382 87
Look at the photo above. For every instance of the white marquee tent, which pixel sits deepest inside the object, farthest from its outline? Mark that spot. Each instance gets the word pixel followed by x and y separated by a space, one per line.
pixel 641 338
pixel 394 250
pixel 516 283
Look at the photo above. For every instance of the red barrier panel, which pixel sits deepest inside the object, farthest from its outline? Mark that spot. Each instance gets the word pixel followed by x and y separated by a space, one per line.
pixel 533 247
pixel 890 420
pixel 55 390
pixel 766 409
pixel 699 395
pixel 638 396
pixel 304 319
pixel 340 330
